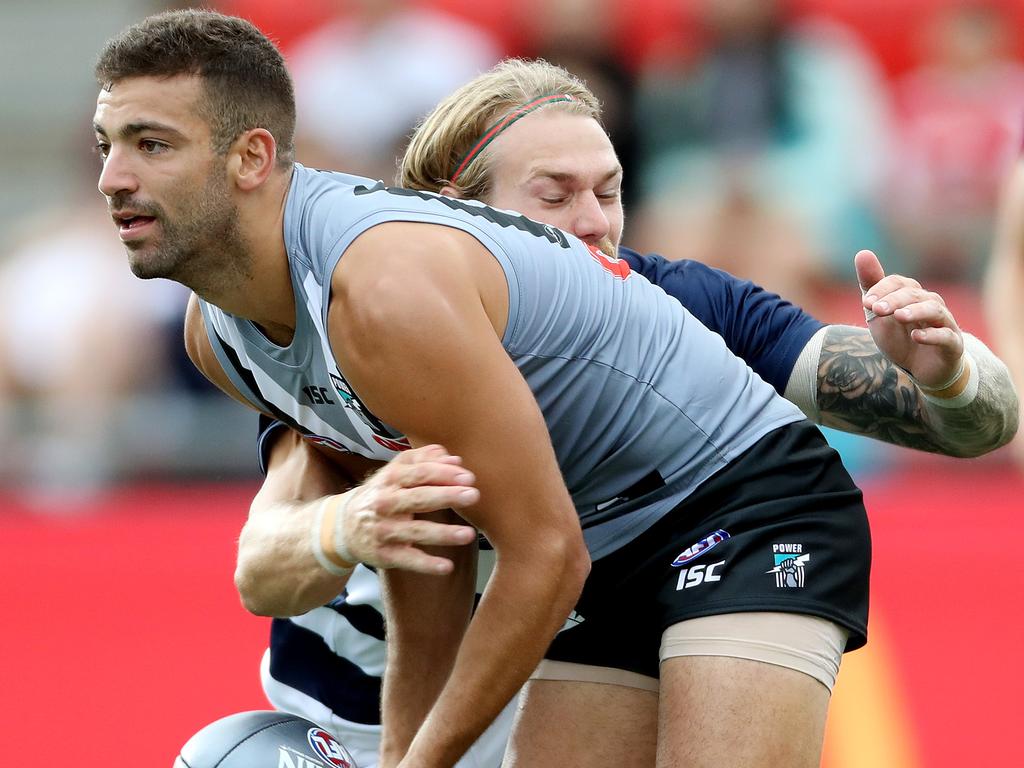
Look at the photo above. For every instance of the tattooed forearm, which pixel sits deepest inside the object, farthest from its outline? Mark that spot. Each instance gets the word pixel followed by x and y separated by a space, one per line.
pixel 861 391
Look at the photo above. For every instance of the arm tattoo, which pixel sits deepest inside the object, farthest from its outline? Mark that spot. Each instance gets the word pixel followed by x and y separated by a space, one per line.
pixel 861 391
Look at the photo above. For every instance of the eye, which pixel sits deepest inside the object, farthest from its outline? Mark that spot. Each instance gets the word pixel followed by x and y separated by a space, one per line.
pixel 611 194
pixel 553 200
pixel 102 149
pixel 151 147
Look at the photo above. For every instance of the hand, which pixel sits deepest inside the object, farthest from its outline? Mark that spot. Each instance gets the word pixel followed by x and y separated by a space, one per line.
pixel 912 327
pixel 379 524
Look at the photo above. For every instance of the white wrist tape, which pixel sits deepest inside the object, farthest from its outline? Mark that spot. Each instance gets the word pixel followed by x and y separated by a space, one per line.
pixel 948 382
pixel 966 396
pixel 316 540
pixel 338 539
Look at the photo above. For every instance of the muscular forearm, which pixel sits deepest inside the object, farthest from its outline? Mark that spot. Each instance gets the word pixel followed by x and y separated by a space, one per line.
pixel 989 421
pixel 860 391
pixel 524 606
pixel 277 573
pixel 311 521
pixel 427 618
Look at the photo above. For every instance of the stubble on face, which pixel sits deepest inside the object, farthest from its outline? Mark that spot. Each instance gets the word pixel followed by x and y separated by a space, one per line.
pixel 200 243
pixel 608 248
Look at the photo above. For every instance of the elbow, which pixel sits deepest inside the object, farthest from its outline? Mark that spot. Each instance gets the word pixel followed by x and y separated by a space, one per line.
pixel 573 567
pixel 580 568
pixel 1005 431
pixel 264 591
pixel 251 577
pixel 249 586
pixel 1010 427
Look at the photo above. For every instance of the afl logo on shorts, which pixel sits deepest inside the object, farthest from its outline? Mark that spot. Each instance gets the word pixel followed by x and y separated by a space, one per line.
pixel 702 546
pixel 329 749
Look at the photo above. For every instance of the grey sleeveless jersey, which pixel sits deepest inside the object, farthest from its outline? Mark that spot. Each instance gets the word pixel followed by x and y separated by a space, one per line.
pixel 642 402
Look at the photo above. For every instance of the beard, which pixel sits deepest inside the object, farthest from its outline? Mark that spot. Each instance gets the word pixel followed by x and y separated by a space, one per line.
pixel 608 247
pixel 200 247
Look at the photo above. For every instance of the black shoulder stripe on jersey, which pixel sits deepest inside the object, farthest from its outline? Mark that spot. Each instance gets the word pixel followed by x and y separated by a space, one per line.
pixel 254 391
pixel 493 215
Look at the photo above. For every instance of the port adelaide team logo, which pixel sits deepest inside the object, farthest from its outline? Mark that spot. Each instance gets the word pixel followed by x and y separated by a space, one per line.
pixel 790 562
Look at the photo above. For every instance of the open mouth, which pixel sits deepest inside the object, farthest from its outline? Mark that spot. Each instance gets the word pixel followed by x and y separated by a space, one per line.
pixel 131 225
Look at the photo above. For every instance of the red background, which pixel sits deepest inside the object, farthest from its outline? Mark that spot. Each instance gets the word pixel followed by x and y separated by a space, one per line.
pixel 122 633
pixel 891 29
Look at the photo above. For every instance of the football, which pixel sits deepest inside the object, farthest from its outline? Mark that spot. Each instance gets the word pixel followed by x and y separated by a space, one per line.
pixel 263 739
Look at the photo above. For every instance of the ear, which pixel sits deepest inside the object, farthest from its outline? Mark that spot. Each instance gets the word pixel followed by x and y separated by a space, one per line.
pixel 252 158
pixel 449 191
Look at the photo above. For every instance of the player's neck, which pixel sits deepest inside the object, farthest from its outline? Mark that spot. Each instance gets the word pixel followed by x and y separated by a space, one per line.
pixel 264 294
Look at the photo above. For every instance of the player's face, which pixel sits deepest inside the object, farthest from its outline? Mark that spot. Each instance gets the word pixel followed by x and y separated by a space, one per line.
pixel 560 169
pixel 166 188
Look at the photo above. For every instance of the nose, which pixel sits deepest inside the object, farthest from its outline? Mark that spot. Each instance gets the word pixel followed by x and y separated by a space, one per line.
pixel 590 220
pixel 116 176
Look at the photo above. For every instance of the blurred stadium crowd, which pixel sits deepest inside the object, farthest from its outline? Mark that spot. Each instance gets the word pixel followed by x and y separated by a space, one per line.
pixel 772 138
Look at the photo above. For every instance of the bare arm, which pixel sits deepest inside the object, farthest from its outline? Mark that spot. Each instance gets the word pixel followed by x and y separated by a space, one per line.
pixel 277 573
pixel 425 356
pixel 859 379
pixel 381 522
pixel 1004 284
pixel 862 392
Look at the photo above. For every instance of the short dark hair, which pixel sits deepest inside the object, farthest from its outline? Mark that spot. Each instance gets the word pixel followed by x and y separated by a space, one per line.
pixel 245 81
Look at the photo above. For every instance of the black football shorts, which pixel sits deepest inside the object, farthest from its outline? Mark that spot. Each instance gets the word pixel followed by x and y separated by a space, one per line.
pixel 781 528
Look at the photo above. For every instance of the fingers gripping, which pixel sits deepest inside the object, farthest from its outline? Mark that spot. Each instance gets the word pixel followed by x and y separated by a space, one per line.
pixel 380 526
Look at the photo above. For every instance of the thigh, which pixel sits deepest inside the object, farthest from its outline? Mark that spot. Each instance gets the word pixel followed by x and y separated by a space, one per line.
pixel 567 723
pixel 806 644
pixel 716 711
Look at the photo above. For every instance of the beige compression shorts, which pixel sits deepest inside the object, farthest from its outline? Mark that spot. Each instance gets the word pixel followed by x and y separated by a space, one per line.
pixel 804 643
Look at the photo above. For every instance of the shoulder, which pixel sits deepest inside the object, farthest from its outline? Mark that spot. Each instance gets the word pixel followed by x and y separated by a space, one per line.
pixel 200 350
pixel 197 343
pixel 391 255
pixel 401 271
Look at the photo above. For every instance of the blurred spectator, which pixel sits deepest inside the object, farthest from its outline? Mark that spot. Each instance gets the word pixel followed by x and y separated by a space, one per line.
pixel 740 231
pixel 580 36
pixel 1004 289
pixel 959 121
pixel 774 121
pixel 79 337
pixel 365 78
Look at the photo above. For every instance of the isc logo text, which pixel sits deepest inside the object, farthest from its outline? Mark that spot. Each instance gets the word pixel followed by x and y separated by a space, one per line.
pixel 699 574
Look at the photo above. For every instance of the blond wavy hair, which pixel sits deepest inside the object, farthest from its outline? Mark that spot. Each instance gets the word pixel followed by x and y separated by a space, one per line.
pixel 445 136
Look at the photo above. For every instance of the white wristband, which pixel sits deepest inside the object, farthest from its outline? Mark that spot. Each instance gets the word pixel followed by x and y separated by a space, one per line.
pixel 340 549
pixel 949 382
pixel 966 396
pixel 316 542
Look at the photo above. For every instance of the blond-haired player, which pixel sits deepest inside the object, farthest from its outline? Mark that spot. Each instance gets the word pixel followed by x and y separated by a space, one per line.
pixel 497 139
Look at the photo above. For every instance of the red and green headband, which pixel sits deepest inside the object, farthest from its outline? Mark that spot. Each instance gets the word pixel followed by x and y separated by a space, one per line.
pixel 495 130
